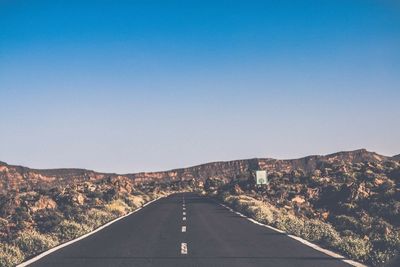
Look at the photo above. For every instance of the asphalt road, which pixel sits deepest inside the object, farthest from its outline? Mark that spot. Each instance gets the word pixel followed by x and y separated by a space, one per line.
pixel 214 236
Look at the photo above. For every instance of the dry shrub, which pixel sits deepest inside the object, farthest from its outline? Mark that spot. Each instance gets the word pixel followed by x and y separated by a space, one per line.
pixel 355 248
pixel 320 232
pixel 117 207
pixel 264 215
pixel 312 230
pixel 10 255
pixel 135 201
pixel 31 242
pixel 96 218
pixel 68 230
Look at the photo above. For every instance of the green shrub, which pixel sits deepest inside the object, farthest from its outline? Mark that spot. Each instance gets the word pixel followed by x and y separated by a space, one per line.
pixel 21 217
pixel 68 230
pixel 47 220
pixel 73 212
pixel 94 194
pixel 344 222
pixel 4 227
pixel 289 223
pixel 10 255
pixel 110 194
pixel 31 242
pixel 379 258
pixel 385 247
pixel 96 217
pixel 320 232
pixel 355 248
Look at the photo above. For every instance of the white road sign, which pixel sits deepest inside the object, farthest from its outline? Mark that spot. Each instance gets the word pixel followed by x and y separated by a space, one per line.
pixel 261 177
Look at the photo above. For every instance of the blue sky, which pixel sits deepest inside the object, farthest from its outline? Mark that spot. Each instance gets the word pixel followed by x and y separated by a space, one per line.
pixel 127 86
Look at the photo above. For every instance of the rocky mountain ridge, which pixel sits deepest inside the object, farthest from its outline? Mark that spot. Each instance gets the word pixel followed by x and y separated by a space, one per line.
pixel 17 177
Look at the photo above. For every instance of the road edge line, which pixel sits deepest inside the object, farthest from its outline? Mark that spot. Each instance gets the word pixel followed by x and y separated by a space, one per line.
pixel 45 253
pixel 301 240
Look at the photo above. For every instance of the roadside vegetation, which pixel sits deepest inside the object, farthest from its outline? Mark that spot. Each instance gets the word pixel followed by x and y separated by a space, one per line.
pixel 309 229
pixel 36 220
pixel 353 209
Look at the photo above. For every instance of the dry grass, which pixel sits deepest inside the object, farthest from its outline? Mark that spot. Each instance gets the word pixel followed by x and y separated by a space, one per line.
pixel 312 230
pixel 68 230
pixel 136 201
pixel 31 242
pixel 118 207
pixel 10 255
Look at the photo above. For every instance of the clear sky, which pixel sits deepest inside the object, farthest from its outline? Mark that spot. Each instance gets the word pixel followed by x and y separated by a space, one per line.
pixel 127 86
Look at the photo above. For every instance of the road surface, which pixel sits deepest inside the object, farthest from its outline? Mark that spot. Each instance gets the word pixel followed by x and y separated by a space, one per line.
pixel 187 230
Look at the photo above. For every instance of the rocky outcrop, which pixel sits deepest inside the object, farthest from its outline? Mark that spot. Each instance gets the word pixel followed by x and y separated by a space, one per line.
pixel 17 177
pixel 44 202
pixel 242 168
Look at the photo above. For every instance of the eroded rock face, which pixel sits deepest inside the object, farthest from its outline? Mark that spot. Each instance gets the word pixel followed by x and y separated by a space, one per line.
pixel 18 178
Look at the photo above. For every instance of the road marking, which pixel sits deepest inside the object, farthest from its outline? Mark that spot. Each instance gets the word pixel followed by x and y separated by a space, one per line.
pixel 184 218
pixel 184 208
pixel 184 213
pixel 183 248
pixel 183 229
pixel 301 240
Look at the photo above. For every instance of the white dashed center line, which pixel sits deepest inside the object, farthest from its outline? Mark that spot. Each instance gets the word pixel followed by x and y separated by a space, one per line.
pixel 184 248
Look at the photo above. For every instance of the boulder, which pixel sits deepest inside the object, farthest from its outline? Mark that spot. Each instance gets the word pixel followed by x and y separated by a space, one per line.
pixel 44 202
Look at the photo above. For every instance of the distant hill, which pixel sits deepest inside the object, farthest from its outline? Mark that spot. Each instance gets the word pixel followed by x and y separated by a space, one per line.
pixel 17 177
pixel 240 168
pixel 397 157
